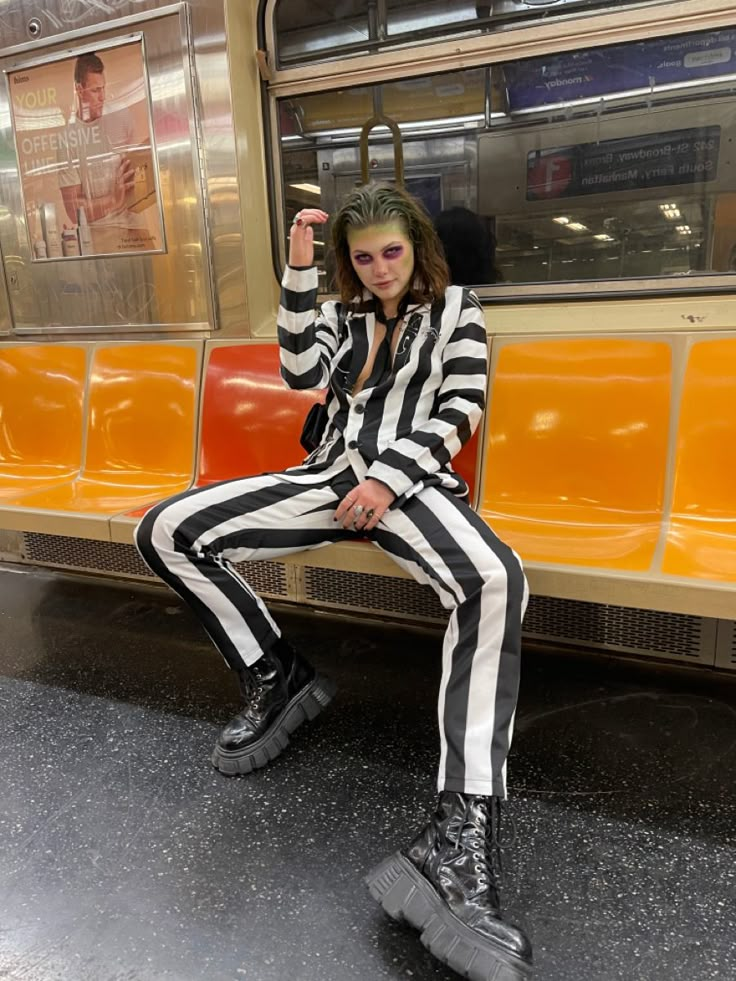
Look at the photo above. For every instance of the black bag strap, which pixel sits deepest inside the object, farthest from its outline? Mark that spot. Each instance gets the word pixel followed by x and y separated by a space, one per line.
pixel 342 322
pixel 342 333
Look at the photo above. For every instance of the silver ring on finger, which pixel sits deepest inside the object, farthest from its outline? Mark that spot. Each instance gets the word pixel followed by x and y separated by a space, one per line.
pixel 358 510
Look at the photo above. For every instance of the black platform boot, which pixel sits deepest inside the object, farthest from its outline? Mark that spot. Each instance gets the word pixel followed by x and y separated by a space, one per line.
pixel 281 691
pixel 445 885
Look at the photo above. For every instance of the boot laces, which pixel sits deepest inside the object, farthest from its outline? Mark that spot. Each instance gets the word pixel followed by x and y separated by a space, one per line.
pixel 252 685
pixel 484 839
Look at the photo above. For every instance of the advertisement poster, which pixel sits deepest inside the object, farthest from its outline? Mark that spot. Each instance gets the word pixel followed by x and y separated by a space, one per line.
pixel 538 82
pixel 85 154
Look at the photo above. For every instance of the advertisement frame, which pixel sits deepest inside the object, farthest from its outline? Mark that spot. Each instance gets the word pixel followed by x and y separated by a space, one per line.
pixel 67 55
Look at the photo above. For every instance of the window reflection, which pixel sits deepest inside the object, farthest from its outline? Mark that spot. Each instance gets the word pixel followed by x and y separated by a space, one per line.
pixel 592 165
pixel 320 30
pixel 469 246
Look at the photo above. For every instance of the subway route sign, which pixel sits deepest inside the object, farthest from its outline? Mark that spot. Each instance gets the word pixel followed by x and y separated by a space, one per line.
pixel 684 156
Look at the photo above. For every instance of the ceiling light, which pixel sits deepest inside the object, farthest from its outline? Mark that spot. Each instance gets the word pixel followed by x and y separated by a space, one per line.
pixel 562 220
pixel 310 188
pixel 670 211
pixel 604 238
pixel 578 226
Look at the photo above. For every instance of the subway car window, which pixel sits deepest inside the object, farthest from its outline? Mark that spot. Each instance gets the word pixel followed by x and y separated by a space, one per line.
pixel 609 163
pixel 319 30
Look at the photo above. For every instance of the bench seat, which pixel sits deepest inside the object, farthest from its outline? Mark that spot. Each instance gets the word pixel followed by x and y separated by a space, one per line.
pixel 576 449
pixel 140 421
pixel 701 532
pixel 604 459
pixel 41 415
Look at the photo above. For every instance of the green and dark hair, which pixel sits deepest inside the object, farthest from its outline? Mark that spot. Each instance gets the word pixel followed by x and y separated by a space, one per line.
pixel 380 204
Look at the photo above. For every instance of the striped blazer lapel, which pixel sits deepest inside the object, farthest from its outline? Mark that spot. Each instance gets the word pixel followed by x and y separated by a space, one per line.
pixel 416 318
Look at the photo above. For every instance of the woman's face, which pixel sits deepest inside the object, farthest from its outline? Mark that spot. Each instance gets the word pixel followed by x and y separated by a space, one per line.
pixel 383 258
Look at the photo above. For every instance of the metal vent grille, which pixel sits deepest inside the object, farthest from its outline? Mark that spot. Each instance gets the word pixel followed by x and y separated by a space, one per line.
pixel 618 628
pixel 670 636
pixel 402 598
pixel 726 647
pixel 266 578
pixel 82 553
pixel 85 555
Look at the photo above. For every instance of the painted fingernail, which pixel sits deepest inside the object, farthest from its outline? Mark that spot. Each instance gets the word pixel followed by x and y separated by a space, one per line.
pixel 299 221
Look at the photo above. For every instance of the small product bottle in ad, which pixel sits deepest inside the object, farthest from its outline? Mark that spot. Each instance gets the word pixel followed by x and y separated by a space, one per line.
pixel 85 235
pixel 36 228
pixel 51 231
pixel 69 242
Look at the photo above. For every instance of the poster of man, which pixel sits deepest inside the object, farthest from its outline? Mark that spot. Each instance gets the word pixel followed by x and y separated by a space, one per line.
pixel 85 154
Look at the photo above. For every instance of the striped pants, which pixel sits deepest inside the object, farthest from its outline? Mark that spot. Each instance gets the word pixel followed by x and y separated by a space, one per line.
pixel 191 541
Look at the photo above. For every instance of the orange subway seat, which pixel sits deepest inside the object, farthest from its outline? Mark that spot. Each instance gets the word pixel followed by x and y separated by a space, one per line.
pixel 576 449
pixel 251 422
pixel 701 538
pixel 141 416
pixel 466 463
pixel 41 406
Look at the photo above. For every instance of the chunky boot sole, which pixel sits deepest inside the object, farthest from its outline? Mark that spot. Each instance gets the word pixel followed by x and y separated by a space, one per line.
pixel 304 706
pixel 407 897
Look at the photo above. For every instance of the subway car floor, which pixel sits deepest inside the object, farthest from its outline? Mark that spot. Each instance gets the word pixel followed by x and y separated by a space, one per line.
pixel 126 857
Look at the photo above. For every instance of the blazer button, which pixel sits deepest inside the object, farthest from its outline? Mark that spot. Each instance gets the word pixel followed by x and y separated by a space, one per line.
pixel 360 409
pixel 352 445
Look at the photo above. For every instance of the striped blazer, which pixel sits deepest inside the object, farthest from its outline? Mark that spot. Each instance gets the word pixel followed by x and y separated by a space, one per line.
pixel 404 430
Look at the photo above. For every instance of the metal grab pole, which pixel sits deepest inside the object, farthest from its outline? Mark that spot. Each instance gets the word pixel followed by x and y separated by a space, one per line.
pixel 379 119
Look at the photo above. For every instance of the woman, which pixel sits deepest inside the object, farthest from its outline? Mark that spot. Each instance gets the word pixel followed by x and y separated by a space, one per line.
pixel 404 356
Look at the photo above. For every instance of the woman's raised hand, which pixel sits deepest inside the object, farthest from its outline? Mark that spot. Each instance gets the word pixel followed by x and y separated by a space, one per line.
pixel 301 236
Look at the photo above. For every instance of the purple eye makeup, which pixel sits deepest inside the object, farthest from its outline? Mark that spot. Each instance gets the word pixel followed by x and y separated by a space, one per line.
pixel 392 252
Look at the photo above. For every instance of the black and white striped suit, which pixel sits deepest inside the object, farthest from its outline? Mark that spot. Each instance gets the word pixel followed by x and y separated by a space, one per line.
pixel 403 427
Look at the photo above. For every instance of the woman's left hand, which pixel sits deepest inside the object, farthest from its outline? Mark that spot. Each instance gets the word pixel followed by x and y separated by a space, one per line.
pixel 301 236
pixel 370 499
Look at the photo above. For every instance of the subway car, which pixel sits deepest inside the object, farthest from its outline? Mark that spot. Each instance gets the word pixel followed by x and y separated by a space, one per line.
pixel 579 160
pixel 594 165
